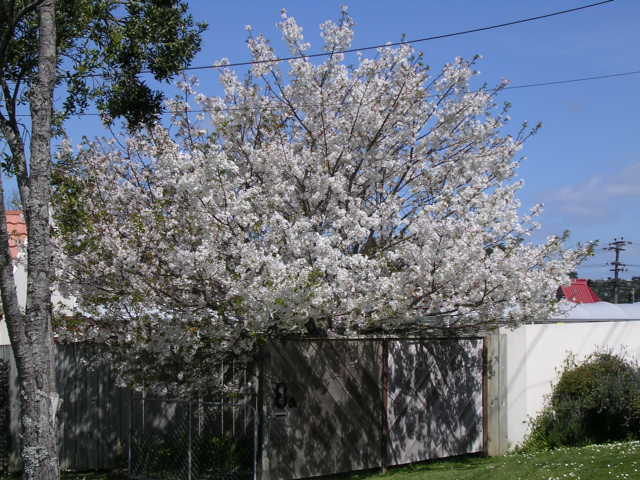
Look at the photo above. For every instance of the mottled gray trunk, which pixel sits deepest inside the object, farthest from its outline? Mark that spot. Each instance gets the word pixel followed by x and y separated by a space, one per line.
pixel 31 333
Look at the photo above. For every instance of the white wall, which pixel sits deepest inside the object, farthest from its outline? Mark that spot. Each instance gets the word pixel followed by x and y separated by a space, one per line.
pixel 526 363
pixel 4 335
pixel 20 276
pixel 61 304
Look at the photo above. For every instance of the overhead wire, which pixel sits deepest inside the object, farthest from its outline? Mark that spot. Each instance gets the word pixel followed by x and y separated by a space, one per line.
pixel 509 87
pixel 574 80
pixel 395 44
pixel 370 47
pixel 389 44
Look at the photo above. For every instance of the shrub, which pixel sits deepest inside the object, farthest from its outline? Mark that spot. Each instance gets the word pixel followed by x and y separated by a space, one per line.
pixel 211 456
pixel 218 454
pixel 595 401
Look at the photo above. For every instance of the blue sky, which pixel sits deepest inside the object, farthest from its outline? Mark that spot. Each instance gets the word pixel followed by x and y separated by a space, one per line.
pixel 584 165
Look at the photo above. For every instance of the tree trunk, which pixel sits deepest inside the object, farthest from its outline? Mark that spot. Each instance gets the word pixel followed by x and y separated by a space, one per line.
pixel 33 342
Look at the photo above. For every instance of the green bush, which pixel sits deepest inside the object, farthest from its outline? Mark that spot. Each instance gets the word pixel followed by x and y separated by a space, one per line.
pixel 212 456
pixel 595 401
pixel 224 454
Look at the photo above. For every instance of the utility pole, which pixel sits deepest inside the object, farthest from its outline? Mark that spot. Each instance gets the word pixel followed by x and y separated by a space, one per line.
pixel 617 246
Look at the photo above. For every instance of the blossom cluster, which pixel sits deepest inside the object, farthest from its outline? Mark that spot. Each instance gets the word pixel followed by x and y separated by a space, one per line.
pixel 334 198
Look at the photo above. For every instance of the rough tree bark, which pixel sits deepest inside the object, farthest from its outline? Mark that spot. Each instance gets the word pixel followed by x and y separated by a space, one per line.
pixel 31 332
pixel 168 38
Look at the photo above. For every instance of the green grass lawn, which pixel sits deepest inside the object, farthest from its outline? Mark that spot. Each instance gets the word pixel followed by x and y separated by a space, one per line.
pixel 595 462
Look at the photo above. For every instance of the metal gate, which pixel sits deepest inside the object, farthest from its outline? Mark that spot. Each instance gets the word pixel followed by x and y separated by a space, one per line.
pixel 193 439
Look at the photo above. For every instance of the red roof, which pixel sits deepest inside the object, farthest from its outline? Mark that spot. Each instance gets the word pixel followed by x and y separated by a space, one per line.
pixel 579 292
pixel 17 229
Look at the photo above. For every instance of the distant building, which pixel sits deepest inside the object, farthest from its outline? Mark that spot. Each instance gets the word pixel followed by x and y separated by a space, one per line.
pixel 578 292
pixel 17 229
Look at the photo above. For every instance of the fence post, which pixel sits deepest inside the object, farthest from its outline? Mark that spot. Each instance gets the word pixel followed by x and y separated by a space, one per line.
pixel 130 433
pixel 189 443
pixel 222 398
pixel 234 401
pixel 384 419
pixel 200 415
pixel 485 397
pixel 255 429
pixel 143 427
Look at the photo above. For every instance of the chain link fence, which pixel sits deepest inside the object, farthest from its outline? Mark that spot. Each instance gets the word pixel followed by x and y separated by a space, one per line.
pixel 193 439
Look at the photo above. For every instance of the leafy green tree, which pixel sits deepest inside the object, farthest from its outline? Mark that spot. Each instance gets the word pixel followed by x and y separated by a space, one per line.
pixel 628 290
pixel 90 52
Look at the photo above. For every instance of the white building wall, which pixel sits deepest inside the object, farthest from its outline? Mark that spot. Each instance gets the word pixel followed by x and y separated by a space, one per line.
pixel 60 303
pixel 4 334
pixel 527 361
pixel 20 276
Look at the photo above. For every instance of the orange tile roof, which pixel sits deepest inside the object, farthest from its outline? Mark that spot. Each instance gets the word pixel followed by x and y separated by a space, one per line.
pixel 17 229
pixel 579 292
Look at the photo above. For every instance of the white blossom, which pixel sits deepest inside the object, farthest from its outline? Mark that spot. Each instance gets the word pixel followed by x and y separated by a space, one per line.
pixel 339 199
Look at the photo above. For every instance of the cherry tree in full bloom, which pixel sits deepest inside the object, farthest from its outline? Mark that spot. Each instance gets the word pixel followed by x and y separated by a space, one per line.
pixel 312 198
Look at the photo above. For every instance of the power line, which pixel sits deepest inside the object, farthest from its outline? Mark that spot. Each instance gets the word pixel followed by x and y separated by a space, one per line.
pixel 391 44
pixel 573 80
pixel 395 44
pixel 374 47
pixel 526 85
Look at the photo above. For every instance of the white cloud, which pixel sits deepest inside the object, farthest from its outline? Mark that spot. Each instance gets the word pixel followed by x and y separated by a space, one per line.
pixel 600 196
pixel 601 208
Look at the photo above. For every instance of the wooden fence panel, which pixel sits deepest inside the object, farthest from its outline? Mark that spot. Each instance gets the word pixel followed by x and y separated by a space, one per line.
pixel 332 406
pixel 435 399
pixel 321 408
pixel 94 414
pixel 326 406
pixel 94 417
pixel 14 412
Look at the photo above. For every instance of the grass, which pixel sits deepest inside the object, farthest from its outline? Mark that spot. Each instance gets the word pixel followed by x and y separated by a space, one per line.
pixel 595 462
pixel 120 474
pixel 613 461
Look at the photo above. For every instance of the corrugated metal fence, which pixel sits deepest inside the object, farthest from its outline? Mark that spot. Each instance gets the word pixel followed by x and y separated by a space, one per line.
pixel 323 407
pixel 332 406
pixel 93 418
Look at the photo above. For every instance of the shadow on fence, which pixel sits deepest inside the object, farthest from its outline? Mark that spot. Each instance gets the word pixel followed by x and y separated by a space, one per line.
pixel 320 407
pixel 335 406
